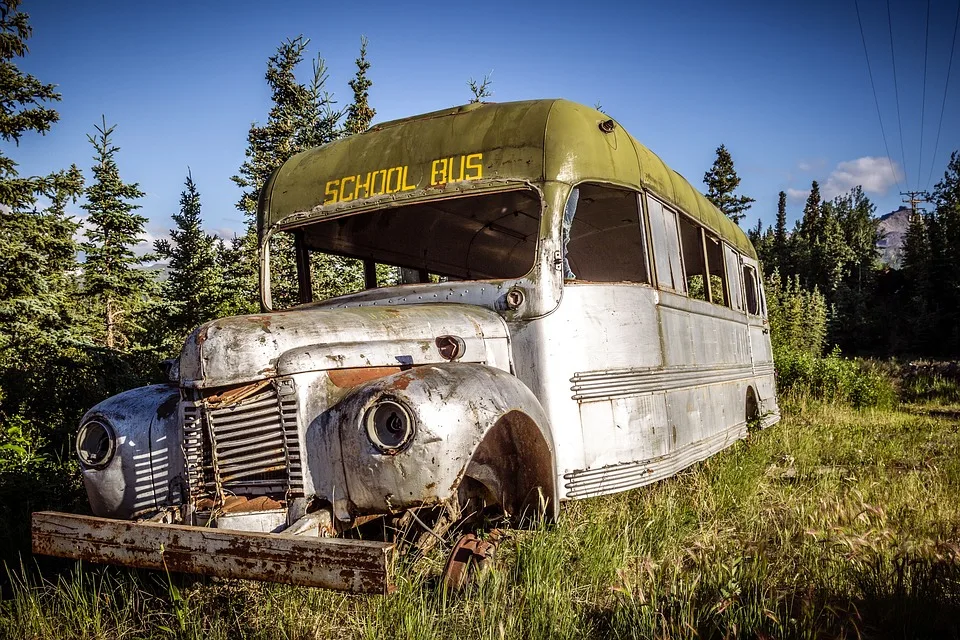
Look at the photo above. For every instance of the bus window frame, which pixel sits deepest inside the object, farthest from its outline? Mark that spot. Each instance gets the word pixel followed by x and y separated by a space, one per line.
pixel 676 278
pixel 298 222
pixel 646 240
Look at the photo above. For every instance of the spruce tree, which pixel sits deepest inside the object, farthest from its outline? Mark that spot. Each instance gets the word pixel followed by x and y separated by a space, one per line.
pixel 268 146
pixel 781 259
pixel 300 117
pixel 810 223
pixel 22 107
pixel 110 273
pixel 36 246
pixel 722 180
pixel 944 233
pixel 360 114
pixel 194 288
pixel 915 265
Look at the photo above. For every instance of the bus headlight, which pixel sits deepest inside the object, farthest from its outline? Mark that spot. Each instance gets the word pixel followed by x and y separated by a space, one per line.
pixel 96 444
pixel 390 426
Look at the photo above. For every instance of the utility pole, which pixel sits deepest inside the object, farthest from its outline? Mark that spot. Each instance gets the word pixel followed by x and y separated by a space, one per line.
pixel 914 198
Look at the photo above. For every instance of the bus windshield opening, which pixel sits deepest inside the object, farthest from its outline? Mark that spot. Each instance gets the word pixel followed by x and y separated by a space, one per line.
pixel 479 237
pixel 489 236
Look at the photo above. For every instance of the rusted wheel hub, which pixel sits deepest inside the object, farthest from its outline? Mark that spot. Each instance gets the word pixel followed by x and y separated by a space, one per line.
pixel 467 558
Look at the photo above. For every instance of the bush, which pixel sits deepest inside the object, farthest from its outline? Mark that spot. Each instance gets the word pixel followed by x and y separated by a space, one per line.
pixel 833 378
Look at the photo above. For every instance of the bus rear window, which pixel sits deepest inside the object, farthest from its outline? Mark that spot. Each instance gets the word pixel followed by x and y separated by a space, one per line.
pixel 475 237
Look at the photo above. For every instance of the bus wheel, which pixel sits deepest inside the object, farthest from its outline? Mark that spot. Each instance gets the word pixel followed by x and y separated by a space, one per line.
pixel 467 559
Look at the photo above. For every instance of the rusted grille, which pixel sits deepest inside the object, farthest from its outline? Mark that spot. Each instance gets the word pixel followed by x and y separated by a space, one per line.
pixel 243 441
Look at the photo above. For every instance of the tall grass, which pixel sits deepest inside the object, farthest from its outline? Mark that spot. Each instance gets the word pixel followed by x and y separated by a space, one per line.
pixel 836 523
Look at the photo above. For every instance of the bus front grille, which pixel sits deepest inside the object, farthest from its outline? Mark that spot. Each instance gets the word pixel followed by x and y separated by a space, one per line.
pixel 243 441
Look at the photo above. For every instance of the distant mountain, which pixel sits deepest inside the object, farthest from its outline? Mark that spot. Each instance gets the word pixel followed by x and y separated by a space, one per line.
pixel 893 230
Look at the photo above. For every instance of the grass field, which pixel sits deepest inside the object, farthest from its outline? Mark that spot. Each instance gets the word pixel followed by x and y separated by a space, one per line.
pixel 834 523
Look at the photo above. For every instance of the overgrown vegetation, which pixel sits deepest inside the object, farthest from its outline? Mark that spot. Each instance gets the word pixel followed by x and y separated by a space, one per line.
pixel 835 523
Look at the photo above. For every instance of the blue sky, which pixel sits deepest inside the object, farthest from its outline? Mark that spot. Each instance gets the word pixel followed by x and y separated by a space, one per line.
pixel 784 86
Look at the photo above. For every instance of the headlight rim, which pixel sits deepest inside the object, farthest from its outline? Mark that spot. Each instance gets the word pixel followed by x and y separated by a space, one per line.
pixel 368 424
pixel 83 455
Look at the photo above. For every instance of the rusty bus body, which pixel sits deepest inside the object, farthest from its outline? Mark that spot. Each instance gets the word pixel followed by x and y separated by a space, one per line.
pixel 582 322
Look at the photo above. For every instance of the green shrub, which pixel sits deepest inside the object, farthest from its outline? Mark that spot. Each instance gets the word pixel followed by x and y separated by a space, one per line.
pixel 833 378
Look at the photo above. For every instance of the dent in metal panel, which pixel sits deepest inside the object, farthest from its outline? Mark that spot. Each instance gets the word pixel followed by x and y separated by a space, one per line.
pixel 678 340
pixel 683 411
pixel 650 434
pixel 599 433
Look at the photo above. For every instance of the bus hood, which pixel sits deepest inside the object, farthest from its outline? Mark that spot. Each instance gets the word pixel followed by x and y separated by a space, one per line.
pixel 248 348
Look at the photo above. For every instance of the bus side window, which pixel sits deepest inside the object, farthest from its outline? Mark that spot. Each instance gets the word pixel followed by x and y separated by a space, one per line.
pixel 666 245
pixel 732 260
pixel 703 263
pixel 752 292
pixel 605 237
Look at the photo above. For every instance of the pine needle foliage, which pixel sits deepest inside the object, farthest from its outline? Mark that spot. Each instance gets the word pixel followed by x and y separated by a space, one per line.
pixel 360 114
pixel 194 288
pixel 481 90
pixel 722 180
pixel 23 107
pixel 110 272
pixel 301 116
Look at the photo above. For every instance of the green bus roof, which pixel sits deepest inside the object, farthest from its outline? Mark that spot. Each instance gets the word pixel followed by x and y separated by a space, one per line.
pixel 530 141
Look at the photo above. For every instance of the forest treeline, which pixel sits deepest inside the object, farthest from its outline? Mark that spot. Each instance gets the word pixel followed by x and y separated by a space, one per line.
pixel 81 320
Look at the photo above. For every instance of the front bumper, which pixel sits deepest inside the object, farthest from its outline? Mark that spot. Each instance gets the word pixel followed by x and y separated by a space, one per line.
pixel 346 565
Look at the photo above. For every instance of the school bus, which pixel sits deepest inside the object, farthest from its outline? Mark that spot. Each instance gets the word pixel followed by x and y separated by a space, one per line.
pixel 571 318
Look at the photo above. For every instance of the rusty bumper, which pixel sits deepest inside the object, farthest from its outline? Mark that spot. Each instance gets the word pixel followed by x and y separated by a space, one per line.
pixel 346 565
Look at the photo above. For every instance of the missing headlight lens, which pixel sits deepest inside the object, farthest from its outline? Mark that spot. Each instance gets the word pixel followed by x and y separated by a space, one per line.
pixel 95 444
pixel 389 426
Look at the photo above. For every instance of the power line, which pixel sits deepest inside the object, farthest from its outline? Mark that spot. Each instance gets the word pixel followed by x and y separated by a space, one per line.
pixel 923 101
pixel 945 86
pixel 876 101
pixel 896 93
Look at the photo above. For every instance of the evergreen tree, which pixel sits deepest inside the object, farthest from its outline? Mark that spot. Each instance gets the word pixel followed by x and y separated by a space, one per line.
pixel 916 335
pixel 944 235
pixel 360 114
pixel 22 108
pixel 36 247
pixel 807 234
pixel 320 123
pixel 722 180
pixel 300 117
pixel 268 146
pixel 37 254
pixel 780 248
pixel 110 273
pixel 810 222
pixel 194 288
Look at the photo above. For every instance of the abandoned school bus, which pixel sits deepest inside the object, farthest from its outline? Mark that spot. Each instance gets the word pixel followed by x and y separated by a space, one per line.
pixel 572 319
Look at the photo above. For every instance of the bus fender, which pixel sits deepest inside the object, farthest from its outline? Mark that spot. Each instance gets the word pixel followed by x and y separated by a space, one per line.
pixel 467 421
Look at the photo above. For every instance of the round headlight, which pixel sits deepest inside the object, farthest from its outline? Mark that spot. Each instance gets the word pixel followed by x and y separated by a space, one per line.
pixel 389 426
pixel 95 444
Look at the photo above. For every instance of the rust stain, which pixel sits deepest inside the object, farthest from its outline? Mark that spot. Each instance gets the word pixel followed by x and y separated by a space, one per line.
pixel 347 378
pixel 262 321
pixel 236 394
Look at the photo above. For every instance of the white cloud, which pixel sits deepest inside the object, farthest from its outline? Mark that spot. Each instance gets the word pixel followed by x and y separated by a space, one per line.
pixel 798 194
pixel 875 174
